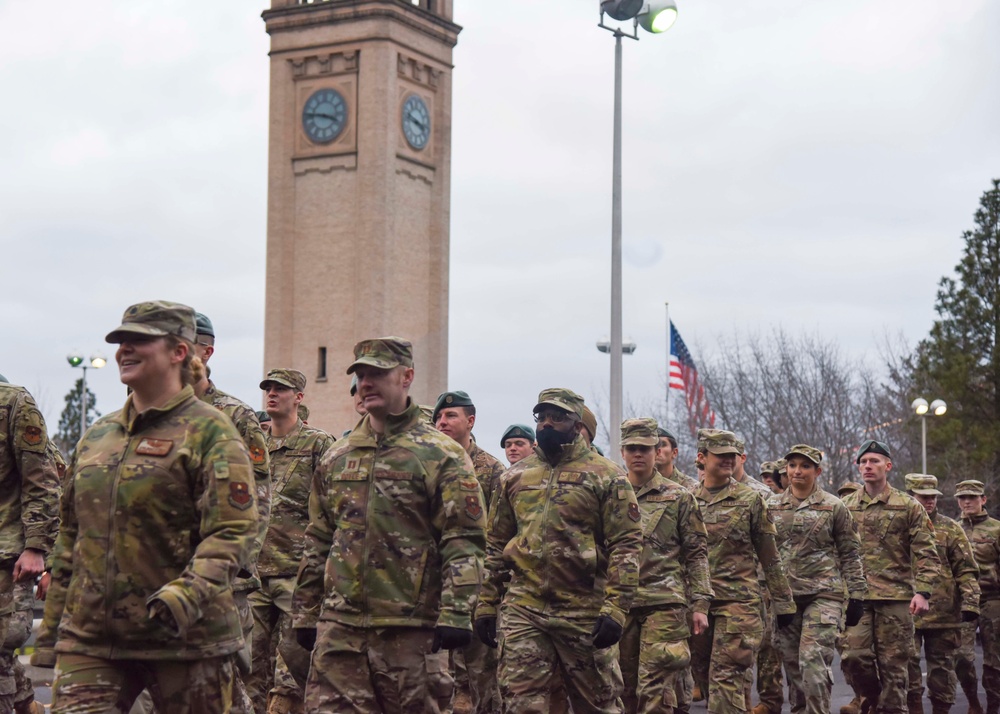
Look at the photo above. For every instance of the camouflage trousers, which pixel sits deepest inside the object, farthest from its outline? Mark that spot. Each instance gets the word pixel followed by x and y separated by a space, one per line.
pixel 533 646
pixel 770 683
pixel 877 654
pixel 684 681
pixel 279 664
pixel 366 670
pixel 723 655
pixel 940 648
pixel 989 629
pixel 807 647
pixel 653 653
pixel 92 685
pixel 15 630
pixel 965 660
pixel 475 668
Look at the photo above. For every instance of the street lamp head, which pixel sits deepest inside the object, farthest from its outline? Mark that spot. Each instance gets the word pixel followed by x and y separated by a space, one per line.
pixel 919 406
pixel 97 361
pixel 621 9
pixel 938 407
pixel 75 359
pixel 658 15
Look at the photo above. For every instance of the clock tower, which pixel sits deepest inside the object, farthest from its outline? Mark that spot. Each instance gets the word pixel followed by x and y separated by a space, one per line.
pixel 359 170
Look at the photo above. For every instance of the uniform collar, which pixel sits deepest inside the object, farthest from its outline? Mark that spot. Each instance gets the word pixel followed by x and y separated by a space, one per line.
pixel 394 424
pixel 657 484
pixel 132 421
pixel 576 449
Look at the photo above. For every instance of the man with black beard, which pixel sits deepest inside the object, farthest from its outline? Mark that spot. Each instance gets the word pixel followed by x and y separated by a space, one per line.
pixel 563 551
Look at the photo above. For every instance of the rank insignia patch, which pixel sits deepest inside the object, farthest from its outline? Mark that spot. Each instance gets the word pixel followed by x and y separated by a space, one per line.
pixel 633 512
pixel 473 508
pixel 239 496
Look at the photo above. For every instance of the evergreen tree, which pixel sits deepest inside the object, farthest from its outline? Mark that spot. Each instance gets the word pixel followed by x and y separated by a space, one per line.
pixel 69 422
pixel 960 360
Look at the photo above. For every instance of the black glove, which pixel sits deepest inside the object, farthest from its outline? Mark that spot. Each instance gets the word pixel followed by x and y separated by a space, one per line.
pixel 606 632
pixel 855 609
pixel 486 630
pixel 450 638
pixel 306 637
pixel 785 620
pixel 969 616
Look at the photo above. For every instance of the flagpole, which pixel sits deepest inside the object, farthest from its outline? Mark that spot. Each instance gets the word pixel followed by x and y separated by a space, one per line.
pixel 666 400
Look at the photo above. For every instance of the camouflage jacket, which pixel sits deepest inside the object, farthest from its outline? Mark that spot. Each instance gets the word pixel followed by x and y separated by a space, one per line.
pixel 567 536
pixel 158 506
pixel 740 534
pixel 819 545
pixel 245 420
pixel 897 544
pixel 29 483
pixel 758 486
pixel 396 530
pixel 488 470
pixel 958 590
pixel 673 569
pixel 683 480
pixel 294 457
pixel 984 534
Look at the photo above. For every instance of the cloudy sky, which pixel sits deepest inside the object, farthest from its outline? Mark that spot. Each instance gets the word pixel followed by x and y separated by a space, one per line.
pixel 808 165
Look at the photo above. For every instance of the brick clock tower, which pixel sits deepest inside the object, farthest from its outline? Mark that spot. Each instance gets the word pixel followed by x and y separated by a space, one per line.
pixel 359 173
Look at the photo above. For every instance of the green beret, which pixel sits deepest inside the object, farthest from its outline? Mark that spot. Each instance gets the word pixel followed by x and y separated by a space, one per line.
pixel 517 431
pixel 382 352
pixel 354 384
pixel 287 378
pixel 203 326
pixel 157 318
pixel 263 416
pixel 872 447
pixel 666 433
pixel 451 399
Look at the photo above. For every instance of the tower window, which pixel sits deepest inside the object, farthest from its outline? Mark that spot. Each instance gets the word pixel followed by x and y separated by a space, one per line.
pixel 321 369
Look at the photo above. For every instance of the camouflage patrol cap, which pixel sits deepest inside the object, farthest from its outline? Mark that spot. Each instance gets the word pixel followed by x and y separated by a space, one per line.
pixel 382 352
pixel 848 487
pixel 640 432
pixel 203 325
pixel 589 422
pixel 781 466
pixel 922 484
pixel 302 411
pixel 767 468
pixel 157 318
pixel 287 378
pixel 810 452
pixel 451 399
pixel 718 442
pixel 565 399
pixel 970 487
pixel 517 431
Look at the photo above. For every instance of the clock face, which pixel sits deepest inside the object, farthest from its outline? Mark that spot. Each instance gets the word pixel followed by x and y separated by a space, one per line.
pixel 416 122
pixel 324 116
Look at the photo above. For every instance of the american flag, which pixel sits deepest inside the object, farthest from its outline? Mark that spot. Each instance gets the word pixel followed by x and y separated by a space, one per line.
pixel 684 375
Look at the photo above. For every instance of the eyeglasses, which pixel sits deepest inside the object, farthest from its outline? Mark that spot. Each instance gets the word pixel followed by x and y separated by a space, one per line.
pixel 556 417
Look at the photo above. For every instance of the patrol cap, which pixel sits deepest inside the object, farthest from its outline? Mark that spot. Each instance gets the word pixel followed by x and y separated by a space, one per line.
pixel 767 468
pixel 874 447
pixel 451 399
pixel 354 384
pixel 781 466
pixel 922 484
pixel 565 399
pixel 810 452
pixel 590 422
pixel 203 326
pixel 287 378
pixel 302 411
pixel 382 352
pixel 157 318
pixel 970 487
pixel 263 416
pixel 718 442
pixel 517 431
pixel 848 487
pixel 640 432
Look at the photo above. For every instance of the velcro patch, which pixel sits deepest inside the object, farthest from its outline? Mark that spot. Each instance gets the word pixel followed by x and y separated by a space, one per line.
pixel 350 476
pixel 154 447
pixel 473 507
pixel 395 475
pixel 661 497
pixel 257 455
pixel 468 485
pixel 32 435
pixel 571 477
pixel 633 512
pixel 239 495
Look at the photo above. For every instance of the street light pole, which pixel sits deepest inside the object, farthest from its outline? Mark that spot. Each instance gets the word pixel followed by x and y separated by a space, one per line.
pixel 921 408
pixel 75 359
pixel 923 443
pixel 616 262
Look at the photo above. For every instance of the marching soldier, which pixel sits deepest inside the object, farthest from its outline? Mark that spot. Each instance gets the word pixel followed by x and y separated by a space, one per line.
pixel 666 460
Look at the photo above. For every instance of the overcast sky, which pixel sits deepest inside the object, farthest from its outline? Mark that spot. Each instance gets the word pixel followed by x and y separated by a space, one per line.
pixel 808 165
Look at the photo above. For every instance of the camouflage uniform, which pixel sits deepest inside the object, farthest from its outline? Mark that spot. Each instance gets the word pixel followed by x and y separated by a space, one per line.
pixel 683 480
pixel 939 631
pixel 898 553
pixel 563 551
pixel 984 534
pixel 393 550
pixel 293 459
pixel 29 496
pixel 159 508
pixel 740 535
pixel 673 572
pixel 821 553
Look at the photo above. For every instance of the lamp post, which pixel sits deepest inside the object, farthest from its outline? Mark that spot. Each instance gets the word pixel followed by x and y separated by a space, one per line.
pixel 653 16
pixel 75 359
pixel 921 408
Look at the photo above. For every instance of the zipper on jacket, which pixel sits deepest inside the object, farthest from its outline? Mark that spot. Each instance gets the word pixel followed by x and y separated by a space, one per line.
pixel 362 572
pixel 112 533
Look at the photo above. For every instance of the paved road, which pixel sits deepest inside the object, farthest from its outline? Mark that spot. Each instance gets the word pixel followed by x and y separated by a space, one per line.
pixel 841 692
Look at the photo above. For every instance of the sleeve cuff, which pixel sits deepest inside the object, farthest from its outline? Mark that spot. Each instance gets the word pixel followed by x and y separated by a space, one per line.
pixel 184 613
pixel 700 606
pixel 614 613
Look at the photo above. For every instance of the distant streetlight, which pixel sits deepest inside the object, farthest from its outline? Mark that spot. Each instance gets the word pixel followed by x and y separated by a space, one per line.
pixel 75 359
pixel 653 16
pixel 921 408
pixel 605 347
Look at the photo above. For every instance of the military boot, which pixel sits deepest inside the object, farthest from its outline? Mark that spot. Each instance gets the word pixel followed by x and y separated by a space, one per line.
pixel 29 706
pixel 915 706
pixel 940 707
pixel 696 695
pixel 852 707
pixel 762 709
